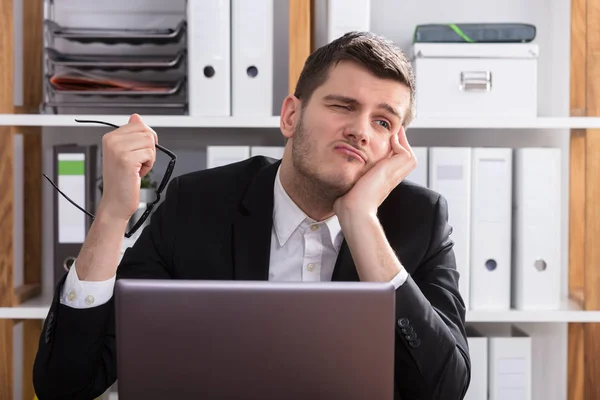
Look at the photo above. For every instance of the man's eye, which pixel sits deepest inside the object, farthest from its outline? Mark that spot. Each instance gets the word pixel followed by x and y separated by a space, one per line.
pixel 385 124
pixel 340 106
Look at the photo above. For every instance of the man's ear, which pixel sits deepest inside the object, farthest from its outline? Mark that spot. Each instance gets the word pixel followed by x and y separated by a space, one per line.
pixel 290 112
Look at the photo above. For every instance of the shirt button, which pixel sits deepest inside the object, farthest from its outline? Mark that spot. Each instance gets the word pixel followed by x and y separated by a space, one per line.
pixel 314 227
pixel 71 296
pixel 89 299
pixel 310 266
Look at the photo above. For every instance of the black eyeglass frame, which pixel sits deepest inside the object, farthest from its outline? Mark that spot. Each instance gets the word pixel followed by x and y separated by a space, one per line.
pixel 159 190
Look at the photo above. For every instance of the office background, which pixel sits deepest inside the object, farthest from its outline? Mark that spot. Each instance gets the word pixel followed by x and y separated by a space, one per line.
pixel 556 338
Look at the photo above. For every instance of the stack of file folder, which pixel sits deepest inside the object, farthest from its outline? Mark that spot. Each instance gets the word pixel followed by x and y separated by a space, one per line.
pixel 182 57
pixel 504 206
pixel 123 70
pixel 502 363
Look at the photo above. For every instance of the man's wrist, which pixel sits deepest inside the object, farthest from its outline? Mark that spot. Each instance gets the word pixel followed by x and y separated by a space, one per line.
pixel 101 250
pixel 105 217
pixel 374 258
pixel 355 216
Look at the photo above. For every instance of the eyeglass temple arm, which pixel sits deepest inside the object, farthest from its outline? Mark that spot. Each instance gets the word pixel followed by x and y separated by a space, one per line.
pixel 158 146
pixel 68 199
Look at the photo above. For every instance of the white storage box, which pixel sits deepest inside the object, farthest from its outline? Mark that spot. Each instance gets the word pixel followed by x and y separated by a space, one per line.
pixel 476 79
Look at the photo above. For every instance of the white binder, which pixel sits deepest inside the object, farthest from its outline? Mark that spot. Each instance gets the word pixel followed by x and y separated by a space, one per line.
pixel 252 57
pixel 209 57
pixel 334 18
pixel 217 156
pixel 347 15
pixel 537 227
pixel 478 351
pixel 419 174
pixel 450 175
pixel 275 152
pixel 491 212
pixel 510 366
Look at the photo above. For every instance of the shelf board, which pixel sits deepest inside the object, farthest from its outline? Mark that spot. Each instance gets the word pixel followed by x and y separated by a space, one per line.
pixel 569 311
pixel 186 121
pixel 37 308
pixel 154 121
pixel 507 123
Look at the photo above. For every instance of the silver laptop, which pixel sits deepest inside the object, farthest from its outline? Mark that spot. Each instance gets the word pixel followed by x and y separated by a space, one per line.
pixel 254 340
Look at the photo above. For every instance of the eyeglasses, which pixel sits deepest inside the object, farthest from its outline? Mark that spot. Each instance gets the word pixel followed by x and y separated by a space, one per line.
pixel 150 206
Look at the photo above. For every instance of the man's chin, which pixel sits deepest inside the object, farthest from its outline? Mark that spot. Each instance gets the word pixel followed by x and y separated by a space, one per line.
pixel 339 186
pixel 333 184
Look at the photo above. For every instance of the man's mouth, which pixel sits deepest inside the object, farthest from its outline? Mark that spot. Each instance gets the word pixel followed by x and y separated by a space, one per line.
pixel 351 151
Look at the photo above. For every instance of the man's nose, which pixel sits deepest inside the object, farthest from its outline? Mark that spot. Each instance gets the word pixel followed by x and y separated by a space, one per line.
pixel 358 130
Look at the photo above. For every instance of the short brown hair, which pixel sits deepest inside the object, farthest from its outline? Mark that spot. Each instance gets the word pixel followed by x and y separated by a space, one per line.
pixel 379 55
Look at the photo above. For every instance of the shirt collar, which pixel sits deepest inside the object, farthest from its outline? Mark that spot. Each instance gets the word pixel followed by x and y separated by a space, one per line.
pixel 287 217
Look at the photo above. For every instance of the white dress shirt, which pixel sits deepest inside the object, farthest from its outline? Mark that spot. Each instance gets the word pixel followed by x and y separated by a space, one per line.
pixel 301 250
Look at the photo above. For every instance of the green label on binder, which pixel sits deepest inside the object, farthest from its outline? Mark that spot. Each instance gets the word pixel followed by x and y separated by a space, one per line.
pixel 71 167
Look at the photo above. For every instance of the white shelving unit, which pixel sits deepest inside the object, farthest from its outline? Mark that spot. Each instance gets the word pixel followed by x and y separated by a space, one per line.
pixel 396 20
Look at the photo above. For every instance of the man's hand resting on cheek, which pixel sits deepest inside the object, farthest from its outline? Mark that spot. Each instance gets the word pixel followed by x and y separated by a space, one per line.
pixel 373 256
pixel 373 188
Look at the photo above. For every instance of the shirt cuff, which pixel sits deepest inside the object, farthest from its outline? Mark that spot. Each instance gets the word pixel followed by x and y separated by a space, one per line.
pixel 85 294
pixel 400 278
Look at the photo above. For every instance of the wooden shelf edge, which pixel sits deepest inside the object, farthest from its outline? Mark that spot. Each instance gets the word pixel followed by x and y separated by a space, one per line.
pixel 577 295
pixel 26 292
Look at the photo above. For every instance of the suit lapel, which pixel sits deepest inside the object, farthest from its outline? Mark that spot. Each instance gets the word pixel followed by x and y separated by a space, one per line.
pixel 252 228
pixel 345 270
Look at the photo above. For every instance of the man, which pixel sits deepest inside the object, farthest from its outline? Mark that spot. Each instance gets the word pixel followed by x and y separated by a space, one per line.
pixel 338 190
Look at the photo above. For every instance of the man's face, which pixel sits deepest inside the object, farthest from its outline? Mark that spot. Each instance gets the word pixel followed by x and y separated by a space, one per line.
pixel 346 127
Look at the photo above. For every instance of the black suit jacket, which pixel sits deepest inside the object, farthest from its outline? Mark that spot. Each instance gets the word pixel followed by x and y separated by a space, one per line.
pixel 216 224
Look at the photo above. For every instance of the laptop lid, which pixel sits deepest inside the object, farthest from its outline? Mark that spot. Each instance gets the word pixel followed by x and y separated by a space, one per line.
pixel 254 340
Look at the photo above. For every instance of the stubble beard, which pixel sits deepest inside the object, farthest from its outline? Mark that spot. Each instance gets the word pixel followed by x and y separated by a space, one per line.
pixel 309 180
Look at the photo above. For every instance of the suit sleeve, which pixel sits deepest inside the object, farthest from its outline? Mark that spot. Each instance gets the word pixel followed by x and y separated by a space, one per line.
pixel 76 357
pixel 432 358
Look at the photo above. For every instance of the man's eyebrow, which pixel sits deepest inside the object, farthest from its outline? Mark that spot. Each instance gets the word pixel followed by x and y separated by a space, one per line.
pixel 343 99
pixel 390 109
pixel 350 100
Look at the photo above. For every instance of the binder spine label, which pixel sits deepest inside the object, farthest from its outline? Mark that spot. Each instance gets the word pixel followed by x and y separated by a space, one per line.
pixel 71 180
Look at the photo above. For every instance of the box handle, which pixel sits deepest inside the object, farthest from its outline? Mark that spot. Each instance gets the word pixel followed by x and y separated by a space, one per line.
pixel 475 81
